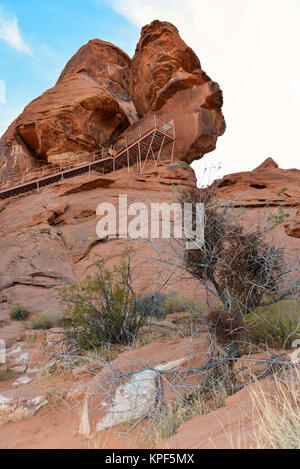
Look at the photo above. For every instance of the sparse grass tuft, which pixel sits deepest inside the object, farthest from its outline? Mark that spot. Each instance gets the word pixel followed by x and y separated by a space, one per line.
pixel 175 415
pixel 181 303
pixel 46 320
pixel 278 414
pixel 6 374
pixel 106 353
pixel 153 305
pixel 18 312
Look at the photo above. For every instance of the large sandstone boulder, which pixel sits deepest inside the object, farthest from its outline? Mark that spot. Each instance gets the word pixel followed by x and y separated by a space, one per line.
pixel 89 107
pixel 96 96
pixel 167 79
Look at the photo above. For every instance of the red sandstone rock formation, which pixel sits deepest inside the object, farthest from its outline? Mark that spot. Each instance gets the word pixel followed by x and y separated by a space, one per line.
pixel 92 102
pixel 266 185
pixel 45 237
pixel 267 192
pixel 89 107
pixel 293 228
pixel 167 79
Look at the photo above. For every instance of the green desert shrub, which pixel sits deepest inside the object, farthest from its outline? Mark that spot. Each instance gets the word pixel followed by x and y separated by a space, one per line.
pixel 18 312
pixel 104 308
pixel 276 325
pixel 181 303
pixel 46 320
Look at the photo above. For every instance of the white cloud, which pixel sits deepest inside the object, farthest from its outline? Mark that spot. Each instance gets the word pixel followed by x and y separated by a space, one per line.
pixel 251 48
pixel 10 110
pixel 2 91
pixel 11 34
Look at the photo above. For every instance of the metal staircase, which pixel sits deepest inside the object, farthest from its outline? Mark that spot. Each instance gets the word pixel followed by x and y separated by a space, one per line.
pixel 145 141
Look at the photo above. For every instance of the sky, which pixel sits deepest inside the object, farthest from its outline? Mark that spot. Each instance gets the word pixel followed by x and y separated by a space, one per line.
pixel 250 47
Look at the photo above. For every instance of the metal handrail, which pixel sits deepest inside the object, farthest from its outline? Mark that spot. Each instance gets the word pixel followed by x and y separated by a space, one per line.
pixel 83 159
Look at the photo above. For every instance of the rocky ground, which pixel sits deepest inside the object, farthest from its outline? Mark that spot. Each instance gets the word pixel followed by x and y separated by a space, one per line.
pixel 46 246
pixel 46 409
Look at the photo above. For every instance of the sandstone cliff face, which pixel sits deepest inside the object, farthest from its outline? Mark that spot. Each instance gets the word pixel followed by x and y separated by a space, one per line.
pixel 263 191
pixel 265 185
pixel 167 79
pixel 45 237
pixel 98 96
pixel 89 107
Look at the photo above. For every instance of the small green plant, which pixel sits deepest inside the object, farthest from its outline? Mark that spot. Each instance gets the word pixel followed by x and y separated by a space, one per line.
pixel 6 373
pixel 181 303
pixel 104 309
pixel 275 220
pixel 18 312
pixel 276 325
pixel 45 375
pixel 46 320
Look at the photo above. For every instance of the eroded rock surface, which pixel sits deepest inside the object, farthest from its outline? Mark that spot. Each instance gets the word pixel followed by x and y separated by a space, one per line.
pixel 293 228
pixel 101 92
pixel 266 185
pixel 167 79
pixel 89 107
pixel 45 237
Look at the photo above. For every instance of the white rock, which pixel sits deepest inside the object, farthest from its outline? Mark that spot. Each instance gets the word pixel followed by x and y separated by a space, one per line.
pixel 13 410
pixel 36 404
pixel 85 428
pixel 5 400
pixel 22 380
pixel 135 399
pixel 19 369
pixel 23 358
pixel 17 350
